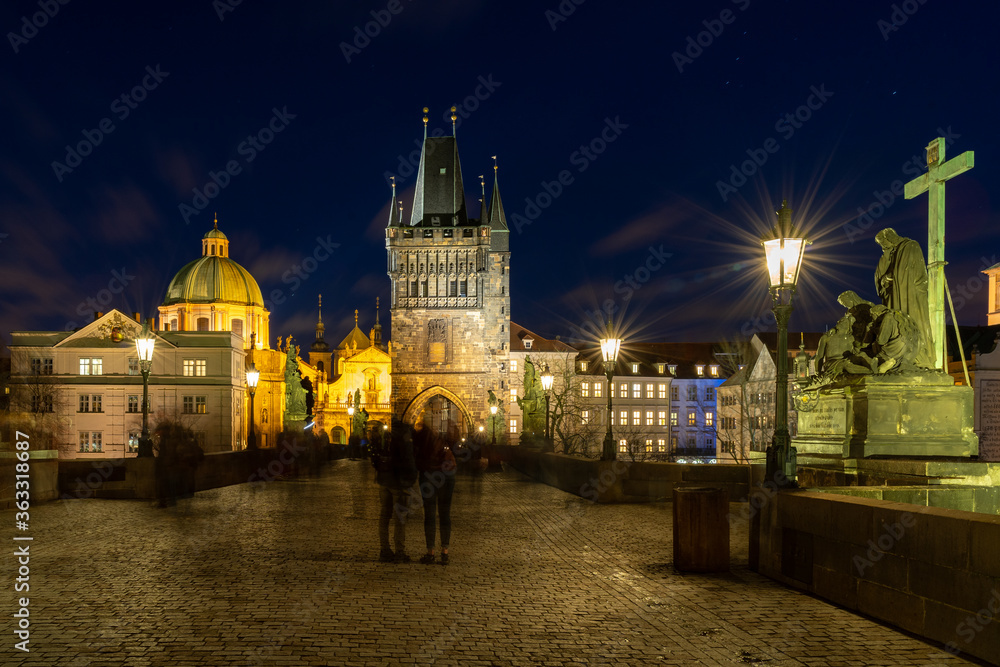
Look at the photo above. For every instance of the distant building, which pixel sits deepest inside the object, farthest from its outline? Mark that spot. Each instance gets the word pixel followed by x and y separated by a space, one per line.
pixel 556 356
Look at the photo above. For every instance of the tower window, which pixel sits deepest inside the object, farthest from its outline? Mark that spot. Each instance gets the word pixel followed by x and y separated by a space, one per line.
pixel 449 233
pixel 428 233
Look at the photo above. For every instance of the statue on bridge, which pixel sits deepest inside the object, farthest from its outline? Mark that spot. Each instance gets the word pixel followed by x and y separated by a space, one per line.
pixel 533 403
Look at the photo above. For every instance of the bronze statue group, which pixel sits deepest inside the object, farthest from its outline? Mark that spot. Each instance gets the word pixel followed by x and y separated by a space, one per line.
pixel 891 337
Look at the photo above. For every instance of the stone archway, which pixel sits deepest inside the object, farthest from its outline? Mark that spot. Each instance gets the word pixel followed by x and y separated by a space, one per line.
pixel 438 398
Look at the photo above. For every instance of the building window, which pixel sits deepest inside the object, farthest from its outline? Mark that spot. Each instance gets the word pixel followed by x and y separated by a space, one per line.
pixel 649 417
pixel 673 442
pixel 41 403
pixel 202 324
pixel 673 369
pixel 91 441
pixel 692 393
pixel 585 389
pixel 636 418
pixel 636 390
pixel 611 386
pixel 513 395
pixel 133 366
pixel 690 441
pixel 41 366
pixel 635 368
pixel 692 418
pixel 649 390
pixel 660 368
pixel 661 445
pixel 133 441
pixel 90 403
pixel 713 371
pixel 661 391
pixel 527 343
pixel 623 389
pixel 661 418
pixel 623 418
pixel 649 444
pixel 453 288
pixel 91 366
pixel 194 405
pixel 710 393
pixel 513 426
pixel 133 403
pixel 675 393
pixel 709 418
pixel 622 445
pixel 413 288
pixel 585 417
pixel 195 367
pixel 700 370
pixel 513 365
pixel 673 419
pixel 710 442
pixel 598 389
pixel 583 365
pixel 238 327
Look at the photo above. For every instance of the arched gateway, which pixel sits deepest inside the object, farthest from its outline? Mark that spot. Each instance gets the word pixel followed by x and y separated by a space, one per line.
pixel 443 408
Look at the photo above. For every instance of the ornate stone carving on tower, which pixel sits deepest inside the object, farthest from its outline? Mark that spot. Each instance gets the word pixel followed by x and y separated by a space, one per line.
pixel 450 296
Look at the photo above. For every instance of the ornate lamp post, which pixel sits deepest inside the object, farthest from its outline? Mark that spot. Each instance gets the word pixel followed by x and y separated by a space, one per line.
pixel 144 348
pixel 253 376
pixel 547 379
pixel 493 412
pixel 609 351
pixel 783 251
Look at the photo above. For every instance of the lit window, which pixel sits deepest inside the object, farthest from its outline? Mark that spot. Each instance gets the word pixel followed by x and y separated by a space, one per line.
pixel 585 389
pixel 612 385
pixel 623 418
pixel 661 391
pixel 585 417
pixel 636 417
pixel 635 368
pixel 661 445
pixel 692 418
pixel 700 370
pixel 133 441
pixel 91 366
pixel 673 369
pixel 673 419
pixel 713 371
pixel 636 390
pixel 133 366
pixel 199 404
pixel 649 390
pixel 649 444
pixel 660 368
pixel 709 419
pixel 200 367
pixel 649 417
pixel 673 441
pixel 189 368
pixel 84 403
pixel 90 403
pixel 513 365
pixel 622 445
pixel 598 389
pixel 91 441
pixel 623 389
pixel 133 403
pixel 661 418
pixel 513 395
pixel 583 365
pixel 513 426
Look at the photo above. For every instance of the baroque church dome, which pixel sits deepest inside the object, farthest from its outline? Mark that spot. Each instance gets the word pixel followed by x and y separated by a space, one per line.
pixel 214 277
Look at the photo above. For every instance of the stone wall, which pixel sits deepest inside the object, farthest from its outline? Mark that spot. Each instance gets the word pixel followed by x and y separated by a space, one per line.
pixel 624 481
pixel 43 467
pixel 930 571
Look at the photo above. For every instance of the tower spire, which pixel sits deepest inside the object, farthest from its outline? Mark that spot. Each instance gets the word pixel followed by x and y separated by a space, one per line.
pixel 320 328
pixel 425 122
pixel 454 117
pixel 392 204
pixel 377 329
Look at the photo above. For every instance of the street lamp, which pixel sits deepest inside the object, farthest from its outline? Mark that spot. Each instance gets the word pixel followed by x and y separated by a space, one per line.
pixel 144 348
pixel 783 251
pixel 493 412
pixel 253 375
pixel 609 351
pixel 547 379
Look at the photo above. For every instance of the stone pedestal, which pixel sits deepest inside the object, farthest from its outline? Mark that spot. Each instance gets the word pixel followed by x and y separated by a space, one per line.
pixel 920 415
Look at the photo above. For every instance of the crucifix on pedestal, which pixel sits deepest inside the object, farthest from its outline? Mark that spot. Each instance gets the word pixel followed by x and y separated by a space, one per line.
pixel 938 171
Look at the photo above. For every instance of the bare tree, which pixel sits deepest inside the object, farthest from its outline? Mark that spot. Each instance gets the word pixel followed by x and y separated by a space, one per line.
pixel 745 400
pixel 575 428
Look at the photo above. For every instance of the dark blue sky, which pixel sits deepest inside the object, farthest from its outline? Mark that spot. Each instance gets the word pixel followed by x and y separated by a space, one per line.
pixel 647 108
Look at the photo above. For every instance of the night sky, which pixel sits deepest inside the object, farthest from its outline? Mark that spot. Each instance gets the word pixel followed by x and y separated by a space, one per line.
pixel 643 110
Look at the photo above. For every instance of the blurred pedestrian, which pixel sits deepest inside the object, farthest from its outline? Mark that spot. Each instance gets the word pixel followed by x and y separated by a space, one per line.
pixel 436 463
pixel 396 472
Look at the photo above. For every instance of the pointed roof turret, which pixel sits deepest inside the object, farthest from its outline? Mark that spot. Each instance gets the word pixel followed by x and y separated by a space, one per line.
pixel 377 329
pixel 320 344
pixel 393 205
pixel 483 211
pixel 439 195
pixel 499 232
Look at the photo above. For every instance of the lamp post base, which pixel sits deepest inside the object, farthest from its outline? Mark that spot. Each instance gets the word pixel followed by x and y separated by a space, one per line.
pixel 145 448
pixel 608 454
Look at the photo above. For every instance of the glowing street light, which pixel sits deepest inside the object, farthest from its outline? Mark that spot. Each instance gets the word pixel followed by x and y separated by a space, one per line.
pixel 253 376
pixel 783 251
pixel 547 379
pixel 610 347
pixel 144 348
pixel 493 412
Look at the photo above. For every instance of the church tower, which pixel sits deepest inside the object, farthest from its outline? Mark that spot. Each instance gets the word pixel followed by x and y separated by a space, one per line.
pixel 450 294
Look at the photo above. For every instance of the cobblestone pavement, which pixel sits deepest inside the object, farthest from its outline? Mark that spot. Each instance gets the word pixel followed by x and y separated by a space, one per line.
pixel 285 573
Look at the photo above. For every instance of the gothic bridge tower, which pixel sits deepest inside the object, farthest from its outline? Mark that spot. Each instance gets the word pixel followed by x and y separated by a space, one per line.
pixel 450 307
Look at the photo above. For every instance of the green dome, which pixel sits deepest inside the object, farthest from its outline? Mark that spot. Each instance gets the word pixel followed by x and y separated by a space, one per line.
pixel 214 279
pixel 215 234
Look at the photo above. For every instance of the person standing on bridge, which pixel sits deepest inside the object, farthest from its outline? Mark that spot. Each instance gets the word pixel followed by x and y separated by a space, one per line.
pixel 396 472
pixel 436 463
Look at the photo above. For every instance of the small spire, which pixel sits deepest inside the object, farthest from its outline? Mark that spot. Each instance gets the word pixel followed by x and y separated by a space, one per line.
pixel 320 308
pixel 392 204
pixel 425 122
pixel 454 117
pixel 495 167
pixel 376 310
pixel 482 185
pixel 400 213
pixel 216 224
pixel 355 317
